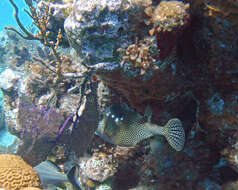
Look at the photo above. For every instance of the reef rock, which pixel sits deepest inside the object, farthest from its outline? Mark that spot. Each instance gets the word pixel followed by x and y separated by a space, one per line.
pixel 169 19
pixel 8 80
pixel 2 115
pixel 38 128
pixel 99 167
pixel 96 29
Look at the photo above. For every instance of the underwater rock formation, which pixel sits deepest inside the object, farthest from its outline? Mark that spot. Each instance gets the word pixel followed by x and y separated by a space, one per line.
pixel 169 19
pixel 111 35
pixel 96 29
pixel 99 167
pixel 9 80
pixel 187 81
pixel 173 87
pixel 219 115
pixel 38 129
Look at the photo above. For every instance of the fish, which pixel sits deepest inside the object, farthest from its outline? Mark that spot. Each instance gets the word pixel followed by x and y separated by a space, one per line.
pixel 50 174
pixel 87 119
pixel 123 126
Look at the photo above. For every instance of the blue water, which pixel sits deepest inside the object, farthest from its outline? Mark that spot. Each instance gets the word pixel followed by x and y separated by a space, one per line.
pixel 6 139
pixel 7 19
pixel 6 14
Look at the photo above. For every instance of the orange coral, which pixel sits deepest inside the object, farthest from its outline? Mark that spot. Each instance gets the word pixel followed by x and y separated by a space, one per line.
pixel 169 19
pixel 139 55
pixel 170 15
pixel 15 173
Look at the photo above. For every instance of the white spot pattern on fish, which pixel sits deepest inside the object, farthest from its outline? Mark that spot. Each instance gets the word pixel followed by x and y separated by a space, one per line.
pixel 132 127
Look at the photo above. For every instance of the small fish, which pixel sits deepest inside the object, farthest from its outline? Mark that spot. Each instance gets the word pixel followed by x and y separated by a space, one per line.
pixel 50 174
pixel 124 126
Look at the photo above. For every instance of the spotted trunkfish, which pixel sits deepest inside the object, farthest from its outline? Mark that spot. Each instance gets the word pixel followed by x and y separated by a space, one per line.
pixel 124 126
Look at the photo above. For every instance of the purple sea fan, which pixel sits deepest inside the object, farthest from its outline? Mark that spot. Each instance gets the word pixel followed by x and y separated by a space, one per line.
pixel 40 127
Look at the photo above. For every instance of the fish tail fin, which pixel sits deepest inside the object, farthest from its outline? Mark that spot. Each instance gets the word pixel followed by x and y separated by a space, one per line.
pixel 174 133
pixel 73 177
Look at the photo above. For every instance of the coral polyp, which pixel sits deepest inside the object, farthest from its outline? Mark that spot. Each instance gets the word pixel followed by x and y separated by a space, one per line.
pixel 169 19
pixel 141 55
pixel 169 15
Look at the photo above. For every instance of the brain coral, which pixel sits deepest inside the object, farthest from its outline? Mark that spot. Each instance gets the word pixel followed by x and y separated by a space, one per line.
pixel 16 174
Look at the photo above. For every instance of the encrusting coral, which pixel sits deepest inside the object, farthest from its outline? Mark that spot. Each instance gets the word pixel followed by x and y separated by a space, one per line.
pixel 141 55
pixel 170 14
pixel 15 173
pixel 169 19
pixel 99 167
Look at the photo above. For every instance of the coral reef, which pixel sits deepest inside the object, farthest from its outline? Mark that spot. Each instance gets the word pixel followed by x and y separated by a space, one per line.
pixel 47 18
pixel 97 37
pixel 38 129
pixel 15 51
pixel 179 57
pixel 99 167
pixel 16 174
pixel 175 87
pixel 169 19
pixel 36 109
pixel 8 80
pixel 225 9
pixel 141 55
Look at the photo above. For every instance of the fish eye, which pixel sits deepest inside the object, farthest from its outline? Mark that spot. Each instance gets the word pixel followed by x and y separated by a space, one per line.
pixel 107 114
pixel 113 116
pixel 121 118
pixel 116 120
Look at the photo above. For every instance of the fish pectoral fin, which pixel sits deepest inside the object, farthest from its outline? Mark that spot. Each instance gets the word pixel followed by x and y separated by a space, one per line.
pixel 175 134
pixel 73 177
pixel 148 113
